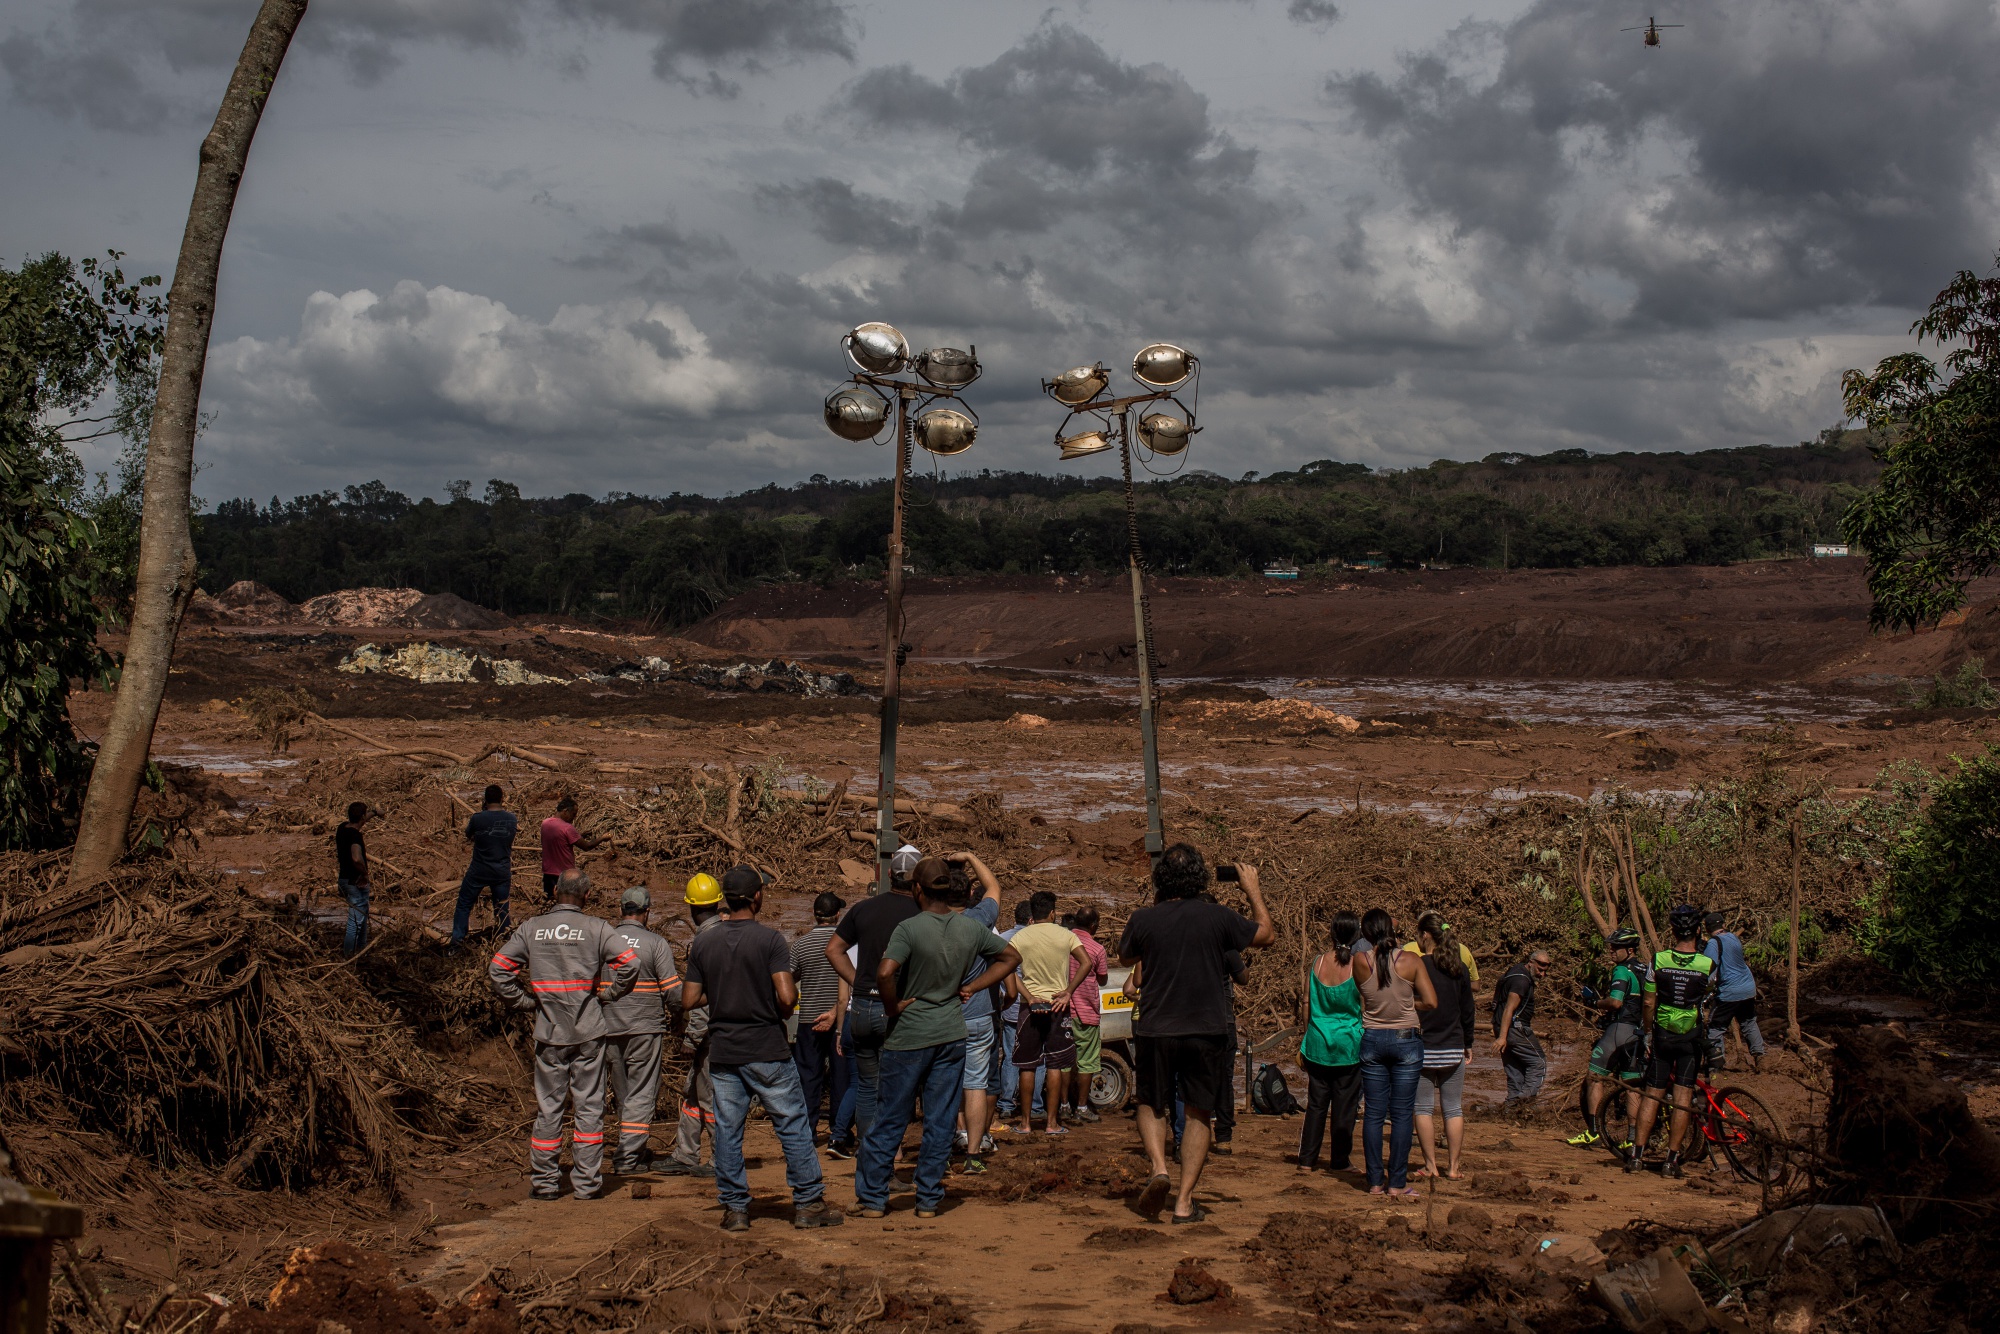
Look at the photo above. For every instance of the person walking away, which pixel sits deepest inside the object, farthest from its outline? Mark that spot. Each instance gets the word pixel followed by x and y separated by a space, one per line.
pixel 743 971
pixel 635 1032
pixel 979 1010
pixel 350 860
pixel 1085 1018
pixel 1003 1082
pixel 1735 996
pixel 1682 979
pixel 1042 1037
pixel 1618 1059
pixel 560 840
pixel 1447 1030
pixel 703 897
pixel 490 832
pixel 821 1075
pixel 1514 1032
pixel 1331 1049
pixel 867 928
pixel 922 980
pixel 1395 990
pixel 1181 1032
pixel 552 966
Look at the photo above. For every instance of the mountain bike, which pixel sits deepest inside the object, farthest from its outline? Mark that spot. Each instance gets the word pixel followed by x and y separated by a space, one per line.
pixel 1731 1119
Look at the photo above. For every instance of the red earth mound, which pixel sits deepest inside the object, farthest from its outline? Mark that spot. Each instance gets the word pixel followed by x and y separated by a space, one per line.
pixel 1766 621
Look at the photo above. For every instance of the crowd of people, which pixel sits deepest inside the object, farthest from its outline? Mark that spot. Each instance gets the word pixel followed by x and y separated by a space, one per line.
pixel 912 1007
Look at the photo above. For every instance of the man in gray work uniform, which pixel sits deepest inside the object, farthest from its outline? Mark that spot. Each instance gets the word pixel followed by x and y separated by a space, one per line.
pixel 704 905
pixel 635 1033
pixel 552 965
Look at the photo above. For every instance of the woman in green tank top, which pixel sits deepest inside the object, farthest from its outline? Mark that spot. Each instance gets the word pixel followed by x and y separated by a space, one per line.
pixel 1331 1049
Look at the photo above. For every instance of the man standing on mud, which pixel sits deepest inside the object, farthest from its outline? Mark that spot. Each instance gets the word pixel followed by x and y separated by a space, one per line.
pixel 560 840
pixel 1514 1028
pixel 821 1074
pixel 490 832
pixel 350 857
pixel 551 966
pixel 1181 1033
pixel 868 926
pixel 635 1032
pixel 704 905
pixel 1053 966
pixel 743 971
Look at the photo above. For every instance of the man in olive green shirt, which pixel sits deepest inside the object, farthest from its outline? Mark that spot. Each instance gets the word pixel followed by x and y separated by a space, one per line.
pixel 922 981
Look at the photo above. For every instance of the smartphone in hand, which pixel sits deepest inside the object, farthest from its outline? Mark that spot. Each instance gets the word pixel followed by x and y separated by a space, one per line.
pixel 1228 874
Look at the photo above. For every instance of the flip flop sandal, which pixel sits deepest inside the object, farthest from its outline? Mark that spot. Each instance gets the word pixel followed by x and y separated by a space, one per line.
pixel 1195 1216
pixel 1155 1195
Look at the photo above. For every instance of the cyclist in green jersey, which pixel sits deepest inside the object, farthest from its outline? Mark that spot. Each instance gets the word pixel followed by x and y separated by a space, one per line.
pixel 1682 978
pixel 1619 1058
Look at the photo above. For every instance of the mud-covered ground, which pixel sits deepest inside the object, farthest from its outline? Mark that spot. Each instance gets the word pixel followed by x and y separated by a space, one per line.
pixel 1047 1240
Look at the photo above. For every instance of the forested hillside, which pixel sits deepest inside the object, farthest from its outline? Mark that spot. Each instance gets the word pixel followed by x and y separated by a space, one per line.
pixel 672 558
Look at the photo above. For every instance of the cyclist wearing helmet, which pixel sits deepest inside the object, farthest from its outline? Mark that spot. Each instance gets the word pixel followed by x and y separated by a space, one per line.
pixel 1619 1058
pixel 1682 978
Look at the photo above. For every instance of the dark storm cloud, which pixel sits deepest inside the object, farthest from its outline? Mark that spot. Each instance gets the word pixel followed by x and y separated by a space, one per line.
pixel 1068 130
pixel 1770 158
pixel 840 214
pixel 100 55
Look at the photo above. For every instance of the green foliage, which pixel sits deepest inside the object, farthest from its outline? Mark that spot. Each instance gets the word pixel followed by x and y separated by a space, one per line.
pixel 69 334
pixel 1933 525
pixel 1937 908
pixel 672 559
pixel 1967 688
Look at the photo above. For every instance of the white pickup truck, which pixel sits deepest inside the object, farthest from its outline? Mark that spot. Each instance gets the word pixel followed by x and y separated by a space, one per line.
pixel 1114 1085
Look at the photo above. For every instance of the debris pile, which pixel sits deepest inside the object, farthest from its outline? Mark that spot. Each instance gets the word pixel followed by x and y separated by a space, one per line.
pixel 1286 717
pixel 167 1015
pixel 406 607
pixel 431 664
pixel 788 678
pixel 247 602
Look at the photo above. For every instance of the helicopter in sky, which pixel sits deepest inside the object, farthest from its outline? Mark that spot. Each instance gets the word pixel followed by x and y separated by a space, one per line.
pixel 1652 30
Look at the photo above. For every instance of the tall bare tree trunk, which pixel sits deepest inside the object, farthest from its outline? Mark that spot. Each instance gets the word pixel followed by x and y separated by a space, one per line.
pixel 166 544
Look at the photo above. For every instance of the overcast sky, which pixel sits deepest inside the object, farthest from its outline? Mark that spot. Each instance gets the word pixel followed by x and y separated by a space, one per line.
pixel 598 245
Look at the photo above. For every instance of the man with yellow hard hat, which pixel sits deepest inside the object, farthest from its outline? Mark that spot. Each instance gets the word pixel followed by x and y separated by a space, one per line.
pixel 704 904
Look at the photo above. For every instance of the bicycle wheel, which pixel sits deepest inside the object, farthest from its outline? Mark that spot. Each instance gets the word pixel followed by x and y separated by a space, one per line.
pixel 1618 1121
pixel 1752 1138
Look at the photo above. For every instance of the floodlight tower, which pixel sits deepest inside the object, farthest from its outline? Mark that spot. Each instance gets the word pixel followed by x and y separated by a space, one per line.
pixel 859 410
pixel 1163 369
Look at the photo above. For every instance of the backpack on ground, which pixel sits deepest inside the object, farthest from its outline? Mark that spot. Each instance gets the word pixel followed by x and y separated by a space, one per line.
pixel 1270 1095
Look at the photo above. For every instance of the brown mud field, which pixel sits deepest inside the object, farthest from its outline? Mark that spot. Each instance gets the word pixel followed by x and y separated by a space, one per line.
pixel 386 1134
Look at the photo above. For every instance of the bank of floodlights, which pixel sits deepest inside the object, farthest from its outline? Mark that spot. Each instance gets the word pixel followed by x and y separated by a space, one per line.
pixel 1096 423
pixel 928 413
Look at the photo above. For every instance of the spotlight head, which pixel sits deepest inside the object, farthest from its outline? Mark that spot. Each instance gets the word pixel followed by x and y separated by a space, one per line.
pixel 1083 445
pixel 877 347
pixel 1164 433
pixel 946 431
pixel 948 367
pixel 1162 365
pixel 856 412
pixel 1078 385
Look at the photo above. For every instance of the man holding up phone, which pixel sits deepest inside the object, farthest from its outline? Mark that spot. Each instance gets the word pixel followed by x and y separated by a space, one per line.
pixel 1042 1036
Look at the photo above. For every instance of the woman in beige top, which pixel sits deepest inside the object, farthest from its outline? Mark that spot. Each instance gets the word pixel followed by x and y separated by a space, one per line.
pixel 1395 989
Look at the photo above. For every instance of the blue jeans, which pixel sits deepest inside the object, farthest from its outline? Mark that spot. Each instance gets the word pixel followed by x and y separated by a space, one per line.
pixel 776 1084
pixel 936 1072
pixel 479 877
pixel 848 1081
pixel 822 1075
pixel 1392 1061
pixel 1004 1083
pixel 357 917
pixel 869 1029
pixel 1525 1063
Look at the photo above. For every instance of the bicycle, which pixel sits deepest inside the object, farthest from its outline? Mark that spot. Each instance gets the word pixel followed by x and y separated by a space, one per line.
pixel 1732 1119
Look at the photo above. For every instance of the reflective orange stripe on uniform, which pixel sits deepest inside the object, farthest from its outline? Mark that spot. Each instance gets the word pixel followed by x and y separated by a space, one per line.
pixel 587 1137
pixel 502 961
pixel 584 984
pixel 534 1143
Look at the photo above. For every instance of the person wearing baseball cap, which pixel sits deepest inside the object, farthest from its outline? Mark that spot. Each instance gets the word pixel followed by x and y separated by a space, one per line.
pixel 743 970
pixel 703 897
pixel 635 1032
pixel 867 927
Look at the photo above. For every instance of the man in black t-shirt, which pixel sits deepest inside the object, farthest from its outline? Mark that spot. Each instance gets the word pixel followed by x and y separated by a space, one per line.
pixel 1181 1028
pixel 743 971
pixel 1513 1028
pixel 490 833
pixel 868 926
pixel 350 858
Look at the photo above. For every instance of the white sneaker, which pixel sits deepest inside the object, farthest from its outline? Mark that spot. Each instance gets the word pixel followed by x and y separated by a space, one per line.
pixel 986 1144
pixel 958 1140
